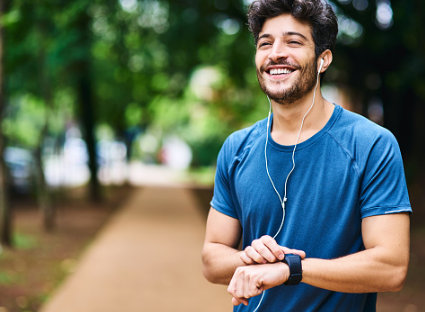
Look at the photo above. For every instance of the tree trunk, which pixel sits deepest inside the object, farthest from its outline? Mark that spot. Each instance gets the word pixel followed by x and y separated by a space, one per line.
pixel 88 122
pixel 5 215
pixel 47 210
pixel 85 99
pixel 45 205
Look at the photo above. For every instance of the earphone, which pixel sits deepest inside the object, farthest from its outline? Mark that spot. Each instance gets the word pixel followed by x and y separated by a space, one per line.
pixel 283 201
pixel 322 60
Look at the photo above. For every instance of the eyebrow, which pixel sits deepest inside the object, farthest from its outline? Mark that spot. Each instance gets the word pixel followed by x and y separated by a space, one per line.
pixel 286 33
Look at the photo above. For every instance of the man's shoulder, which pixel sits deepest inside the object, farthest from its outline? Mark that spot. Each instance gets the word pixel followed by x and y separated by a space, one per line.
pixel 237 142
pixel 353 126
pixel 360 137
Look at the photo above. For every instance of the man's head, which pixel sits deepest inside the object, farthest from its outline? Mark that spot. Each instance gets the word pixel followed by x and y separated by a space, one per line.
pixel 317 13
pixel 290 36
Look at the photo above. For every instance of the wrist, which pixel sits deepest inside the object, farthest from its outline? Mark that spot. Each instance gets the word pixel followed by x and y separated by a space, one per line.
pixel 284 271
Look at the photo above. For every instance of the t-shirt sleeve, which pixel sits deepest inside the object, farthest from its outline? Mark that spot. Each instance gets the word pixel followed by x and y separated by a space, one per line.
pixel 384 189
pixel 222 199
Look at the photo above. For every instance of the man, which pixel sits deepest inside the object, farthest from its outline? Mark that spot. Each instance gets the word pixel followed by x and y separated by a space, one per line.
pixel 317 194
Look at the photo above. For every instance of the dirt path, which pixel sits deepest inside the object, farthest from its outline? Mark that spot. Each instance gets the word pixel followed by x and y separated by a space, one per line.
pixel 146 259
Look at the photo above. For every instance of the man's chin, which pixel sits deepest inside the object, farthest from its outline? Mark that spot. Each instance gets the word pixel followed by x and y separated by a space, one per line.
pixel 283 97
pixel 278 90
pixel 277 96
pixel 278 99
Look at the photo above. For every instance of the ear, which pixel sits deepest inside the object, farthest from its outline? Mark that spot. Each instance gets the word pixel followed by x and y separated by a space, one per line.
pixel 327 60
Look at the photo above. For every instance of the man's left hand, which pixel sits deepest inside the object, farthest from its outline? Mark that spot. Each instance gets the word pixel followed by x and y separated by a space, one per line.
pixel 250 281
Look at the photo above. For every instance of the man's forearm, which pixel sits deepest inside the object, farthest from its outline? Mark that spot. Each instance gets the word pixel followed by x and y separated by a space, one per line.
pixel 365 271
pixel 220 262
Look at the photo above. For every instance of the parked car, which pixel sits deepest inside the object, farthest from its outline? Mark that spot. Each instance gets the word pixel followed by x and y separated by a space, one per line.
pixel 20 165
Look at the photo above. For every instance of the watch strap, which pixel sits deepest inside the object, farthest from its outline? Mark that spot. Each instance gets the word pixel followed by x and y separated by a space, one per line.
pixel 295 269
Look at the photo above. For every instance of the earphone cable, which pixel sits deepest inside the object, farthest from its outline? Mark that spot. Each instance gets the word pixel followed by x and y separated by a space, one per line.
pixel 282 201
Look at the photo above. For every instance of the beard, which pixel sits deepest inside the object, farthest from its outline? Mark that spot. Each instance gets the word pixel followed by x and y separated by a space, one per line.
pixel 289 94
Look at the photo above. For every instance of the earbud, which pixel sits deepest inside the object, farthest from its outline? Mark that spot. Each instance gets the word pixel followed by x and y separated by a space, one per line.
pixel 321 65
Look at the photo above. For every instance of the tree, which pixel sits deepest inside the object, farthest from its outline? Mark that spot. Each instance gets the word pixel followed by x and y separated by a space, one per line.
pixel 44 24
pixel 76 25
pixel 385 64
pixel 84 84
pixel 5 217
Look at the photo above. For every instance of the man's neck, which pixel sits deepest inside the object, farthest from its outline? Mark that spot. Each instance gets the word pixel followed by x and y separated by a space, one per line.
pixel 287 118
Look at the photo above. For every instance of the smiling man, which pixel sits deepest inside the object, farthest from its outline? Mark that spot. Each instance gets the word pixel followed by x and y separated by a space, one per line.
pixel 314 194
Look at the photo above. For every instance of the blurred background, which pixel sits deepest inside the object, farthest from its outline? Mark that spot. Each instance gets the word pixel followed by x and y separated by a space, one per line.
pixel 98 97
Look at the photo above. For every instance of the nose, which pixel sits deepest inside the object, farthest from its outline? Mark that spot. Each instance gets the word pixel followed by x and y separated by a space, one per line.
pixel 278 51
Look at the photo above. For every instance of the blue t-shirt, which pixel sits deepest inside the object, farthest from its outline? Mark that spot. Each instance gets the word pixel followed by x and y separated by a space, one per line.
pixel 349 170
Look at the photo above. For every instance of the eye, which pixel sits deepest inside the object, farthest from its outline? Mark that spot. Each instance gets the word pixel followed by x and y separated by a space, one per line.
pixel 263 44
pixel 294 42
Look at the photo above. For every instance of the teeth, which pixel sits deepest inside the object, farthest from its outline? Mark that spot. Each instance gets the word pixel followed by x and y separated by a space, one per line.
pixel 280 71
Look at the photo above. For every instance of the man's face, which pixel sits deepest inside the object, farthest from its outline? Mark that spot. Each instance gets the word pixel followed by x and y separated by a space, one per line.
pixel 285 59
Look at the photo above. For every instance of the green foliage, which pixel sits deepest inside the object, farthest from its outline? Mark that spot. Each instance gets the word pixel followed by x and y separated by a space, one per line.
pixel 24 120
pixel 10 18
pixel 146 57
pixel 143 55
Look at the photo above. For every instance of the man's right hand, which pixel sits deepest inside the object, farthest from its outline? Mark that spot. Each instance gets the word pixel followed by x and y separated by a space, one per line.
pixel 266 250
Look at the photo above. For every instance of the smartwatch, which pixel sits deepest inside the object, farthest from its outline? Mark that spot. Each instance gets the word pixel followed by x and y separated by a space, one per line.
pixel 295 269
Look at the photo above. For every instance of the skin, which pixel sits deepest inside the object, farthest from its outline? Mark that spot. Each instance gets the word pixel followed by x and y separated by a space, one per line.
pixel 285 42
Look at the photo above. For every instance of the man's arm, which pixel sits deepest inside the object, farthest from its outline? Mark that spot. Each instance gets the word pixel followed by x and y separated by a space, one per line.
pixel 382 266
pixel 220 256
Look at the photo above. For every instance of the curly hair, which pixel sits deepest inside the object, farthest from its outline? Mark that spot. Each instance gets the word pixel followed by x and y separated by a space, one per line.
pixel 317 13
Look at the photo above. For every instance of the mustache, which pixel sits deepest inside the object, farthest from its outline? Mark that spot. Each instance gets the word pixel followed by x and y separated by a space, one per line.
pixel 283 63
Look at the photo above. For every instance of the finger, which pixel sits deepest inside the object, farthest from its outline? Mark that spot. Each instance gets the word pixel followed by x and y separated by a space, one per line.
pixel 273 246
pixel 254 255
pixel 238 301
pixel 263 250
pixel 245 258
pixel 287 250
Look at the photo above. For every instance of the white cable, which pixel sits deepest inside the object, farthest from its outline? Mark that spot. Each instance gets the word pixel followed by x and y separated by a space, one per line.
pixel 282 201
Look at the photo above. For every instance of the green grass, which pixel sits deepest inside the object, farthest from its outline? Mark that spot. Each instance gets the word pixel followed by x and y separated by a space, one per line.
pixel 8 278
pixel 24 241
